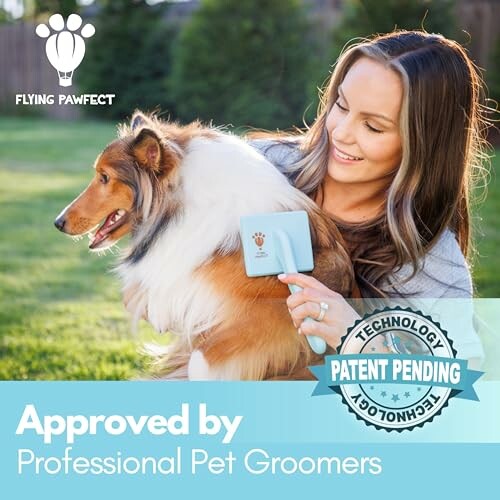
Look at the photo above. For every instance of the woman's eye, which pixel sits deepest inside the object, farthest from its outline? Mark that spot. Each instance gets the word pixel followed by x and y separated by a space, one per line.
pixel 104 178
pixel 373 129
pixel 342 108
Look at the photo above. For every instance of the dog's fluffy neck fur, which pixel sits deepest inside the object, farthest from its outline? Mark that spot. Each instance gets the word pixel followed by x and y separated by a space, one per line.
pixel 218 180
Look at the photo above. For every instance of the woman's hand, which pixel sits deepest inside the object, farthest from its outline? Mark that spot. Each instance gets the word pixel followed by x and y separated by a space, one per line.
pixel 339 316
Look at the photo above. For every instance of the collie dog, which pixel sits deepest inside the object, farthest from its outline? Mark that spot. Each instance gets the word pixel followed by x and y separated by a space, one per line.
pixel 180 191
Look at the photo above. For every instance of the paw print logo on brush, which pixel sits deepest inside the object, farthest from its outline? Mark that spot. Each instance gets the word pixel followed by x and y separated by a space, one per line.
pixel 65 47
pixel 259 239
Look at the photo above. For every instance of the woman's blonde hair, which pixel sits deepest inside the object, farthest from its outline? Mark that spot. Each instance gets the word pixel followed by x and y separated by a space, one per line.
pixel 443 128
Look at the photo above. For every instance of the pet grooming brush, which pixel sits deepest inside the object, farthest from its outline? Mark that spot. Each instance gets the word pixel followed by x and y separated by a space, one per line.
pixel 279 243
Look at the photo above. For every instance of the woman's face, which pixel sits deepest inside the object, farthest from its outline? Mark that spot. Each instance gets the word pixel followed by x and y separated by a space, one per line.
pixel 363 125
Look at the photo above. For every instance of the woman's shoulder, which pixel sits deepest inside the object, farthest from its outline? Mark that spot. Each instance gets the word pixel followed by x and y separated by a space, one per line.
pixel 443 273
pixel 281 152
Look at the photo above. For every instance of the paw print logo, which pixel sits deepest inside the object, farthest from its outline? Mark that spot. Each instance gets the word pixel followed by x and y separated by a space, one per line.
pixel 259 239
pixel 65 48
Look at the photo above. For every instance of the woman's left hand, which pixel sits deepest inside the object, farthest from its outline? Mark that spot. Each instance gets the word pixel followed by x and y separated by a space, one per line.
pixel 306 303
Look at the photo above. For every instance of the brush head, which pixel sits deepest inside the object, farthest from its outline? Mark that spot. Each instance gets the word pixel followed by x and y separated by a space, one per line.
pixel 276 243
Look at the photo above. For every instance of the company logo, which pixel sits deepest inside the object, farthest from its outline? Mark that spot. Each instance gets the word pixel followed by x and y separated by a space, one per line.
pixel 259 239
pixel 396 391
pixel 65 47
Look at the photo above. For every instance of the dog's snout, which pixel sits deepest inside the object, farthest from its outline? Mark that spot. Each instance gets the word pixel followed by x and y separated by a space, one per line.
pixel 59 222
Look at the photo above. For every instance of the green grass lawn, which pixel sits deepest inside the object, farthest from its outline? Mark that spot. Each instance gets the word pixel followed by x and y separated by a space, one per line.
pixel 486 223
pixel 61 314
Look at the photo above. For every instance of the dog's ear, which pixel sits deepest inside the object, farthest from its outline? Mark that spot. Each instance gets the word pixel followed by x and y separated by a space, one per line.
pixel 148 150
pixel 137 120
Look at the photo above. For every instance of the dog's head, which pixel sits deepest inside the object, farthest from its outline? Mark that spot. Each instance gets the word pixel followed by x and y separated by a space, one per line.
pixel 126 175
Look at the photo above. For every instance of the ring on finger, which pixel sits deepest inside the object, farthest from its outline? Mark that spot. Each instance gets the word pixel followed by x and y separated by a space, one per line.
pixel 323 307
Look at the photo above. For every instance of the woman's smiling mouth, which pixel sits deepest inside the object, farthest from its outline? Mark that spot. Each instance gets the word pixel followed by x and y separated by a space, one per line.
pixel 344 157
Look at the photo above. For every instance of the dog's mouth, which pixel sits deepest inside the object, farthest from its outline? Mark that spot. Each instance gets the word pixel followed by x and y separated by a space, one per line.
pixel 112 222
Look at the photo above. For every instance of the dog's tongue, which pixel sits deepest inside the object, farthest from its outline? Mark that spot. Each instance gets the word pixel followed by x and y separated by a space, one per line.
pixel 103 231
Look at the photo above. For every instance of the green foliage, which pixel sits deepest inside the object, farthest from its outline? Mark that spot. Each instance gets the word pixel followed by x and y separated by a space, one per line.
pixel 63 7
pixel 493 75
pixel 5 16
pixel 244 62
pixel 486 224
pixel 363 18
pixel 129 56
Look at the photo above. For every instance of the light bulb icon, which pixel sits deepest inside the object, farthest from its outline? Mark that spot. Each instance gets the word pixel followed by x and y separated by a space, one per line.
pixel 65 48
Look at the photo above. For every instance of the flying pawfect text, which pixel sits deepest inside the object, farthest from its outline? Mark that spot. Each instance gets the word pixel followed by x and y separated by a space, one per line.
pixel 64 99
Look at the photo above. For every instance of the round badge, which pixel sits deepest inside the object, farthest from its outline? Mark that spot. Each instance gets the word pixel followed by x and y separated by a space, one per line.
pixel 406 405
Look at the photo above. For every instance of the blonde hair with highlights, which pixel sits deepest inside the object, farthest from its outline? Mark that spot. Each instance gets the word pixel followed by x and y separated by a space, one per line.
pixel 443 128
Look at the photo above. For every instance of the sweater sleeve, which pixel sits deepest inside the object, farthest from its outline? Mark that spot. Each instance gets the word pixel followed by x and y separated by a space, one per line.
pixel 282 153
pixel 443 273
pixel 443 288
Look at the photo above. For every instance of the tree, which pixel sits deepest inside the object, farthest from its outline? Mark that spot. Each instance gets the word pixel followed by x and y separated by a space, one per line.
pixel 5 16
pixel 129 56
pixel 363 18
pixel 244 62
pixel 493 75
pixel 39 10
pixel 63 7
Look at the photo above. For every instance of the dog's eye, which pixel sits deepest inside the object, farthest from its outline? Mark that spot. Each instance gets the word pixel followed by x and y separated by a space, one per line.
pixel 104 178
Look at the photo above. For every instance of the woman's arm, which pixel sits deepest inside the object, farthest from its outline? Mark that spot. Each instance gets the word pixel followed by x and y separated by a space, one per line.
pixel 282 153
pixel 443 273
pixel 442 289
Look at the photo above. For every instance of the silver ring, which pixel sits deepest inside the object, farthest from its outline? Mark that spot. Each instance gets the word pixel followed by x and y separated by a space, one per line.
pixel 323 307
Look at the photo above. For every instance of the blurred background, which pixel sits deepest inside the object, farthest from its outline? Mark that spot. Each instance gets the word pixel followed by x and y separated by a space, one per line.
pixel 239 63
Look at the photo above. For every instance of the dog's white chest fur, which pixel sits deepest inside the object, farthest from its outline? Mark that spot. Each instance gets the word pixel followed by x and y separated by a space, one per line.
pixel 221 180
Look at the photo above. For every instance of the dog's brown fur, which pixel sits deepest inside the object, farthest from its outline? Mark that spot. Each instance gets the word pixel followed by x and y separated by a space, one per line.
pixel 242 345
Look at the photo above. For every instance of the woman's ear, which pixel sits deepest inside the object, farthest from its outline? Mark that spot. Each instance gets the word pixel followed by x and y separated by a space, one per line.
pixel 148 150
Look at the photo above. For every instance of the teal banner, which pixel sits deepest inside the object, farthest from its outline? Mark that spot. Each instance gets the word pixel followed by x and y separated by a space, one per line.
pixel 401 369
pixel 128 440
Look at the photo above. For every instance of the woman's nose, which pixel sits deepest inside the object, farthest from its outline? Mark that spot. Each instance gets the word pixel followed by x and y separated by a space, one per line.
pixel 343 131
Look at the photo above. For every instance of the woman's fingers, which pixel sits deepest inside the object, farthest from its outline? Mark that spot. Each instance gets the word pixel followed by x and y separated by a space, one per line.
pixel 307 309
pixel 305 295
pixel 320 329
pixel 303 281
pixel 306 303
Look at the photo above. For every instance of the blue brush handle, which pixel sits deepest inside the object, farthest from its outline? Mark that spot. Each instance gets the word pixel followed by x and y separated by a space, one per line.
pixel 285 256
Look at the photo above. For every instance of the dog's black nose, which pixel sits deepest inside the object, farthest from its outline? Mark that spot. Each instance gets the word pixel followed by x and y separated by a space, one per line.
pixel 59 223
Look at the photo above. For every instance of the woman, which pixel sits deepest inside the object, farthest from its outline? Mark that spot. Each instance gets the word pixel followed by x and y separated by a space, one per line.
pixel 391 157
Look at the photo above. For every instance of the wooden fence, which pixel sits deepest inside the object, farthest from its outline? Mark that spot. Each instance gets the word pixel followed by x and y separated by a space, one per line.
pixel 25 69
pixel 480 18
